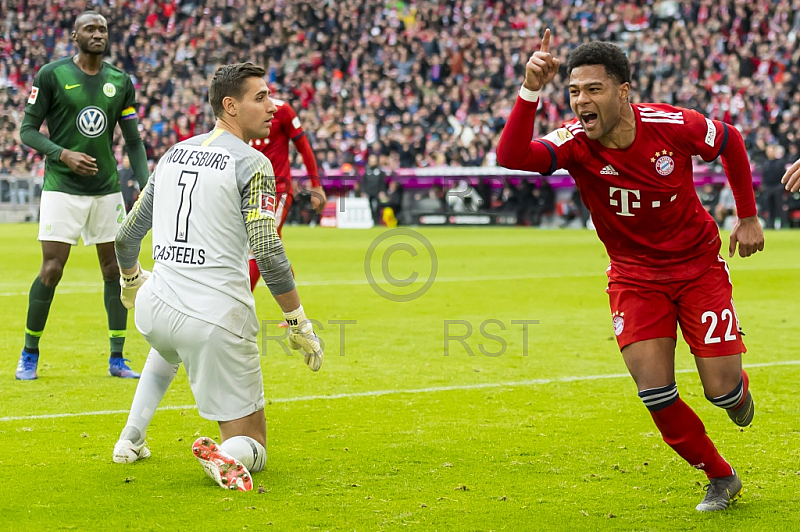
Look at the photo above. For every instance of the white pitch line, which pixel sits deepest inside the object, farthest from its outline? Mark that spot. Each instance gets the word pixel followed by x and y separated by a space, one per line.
pixel 379 393
pixel 94 288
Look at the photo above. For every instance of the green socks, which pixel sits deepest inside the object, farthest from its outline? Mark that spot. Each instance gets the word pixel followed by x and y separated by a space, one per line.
pixel 41 297
pixel 39 300
pixel 117 315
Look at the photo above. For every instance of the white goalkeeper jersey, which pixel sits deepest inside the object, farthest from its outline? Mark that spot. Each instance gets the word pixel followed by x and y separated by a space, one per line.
pixel 204 189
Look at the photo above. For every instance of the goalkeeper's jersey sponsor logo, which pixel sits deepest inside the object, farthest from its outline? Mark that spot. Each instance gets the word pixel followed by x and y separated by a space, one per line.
pixel 92 122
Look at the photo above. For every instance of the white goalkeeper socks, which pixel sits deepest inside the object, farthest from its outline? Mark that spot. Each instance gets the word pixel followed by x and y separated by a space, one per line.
pixel 157 375
pixel 247 450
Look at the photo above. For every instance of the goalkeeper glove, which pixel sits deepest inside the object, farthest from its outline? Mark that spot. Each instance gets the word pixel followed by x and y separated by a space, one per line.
pixel 130 285
pixel 302 337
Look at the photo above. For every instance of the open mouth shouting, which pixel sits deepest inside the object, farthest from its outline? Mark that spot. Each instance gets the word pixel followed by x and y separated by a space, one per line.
pixel 589 120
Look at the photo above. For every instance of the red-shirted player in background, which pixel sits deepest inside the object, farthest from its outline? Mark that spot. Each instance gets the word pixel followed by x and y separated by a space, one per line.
pixel 633 167
pixel 285 127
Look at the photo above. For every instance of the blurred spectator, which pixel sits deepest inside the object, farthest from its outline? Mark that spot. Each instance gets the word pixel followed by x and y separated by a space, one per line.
pixel 508 199
pixel 709 196
pixel 537 201
pixel 391 203
pixel 373 184
pixel 773 194
pixel 575 209
pixel 462 197
pixel 726 206
pixel 431 200
pixel 355 191
pixel 301 211
pixel 128 184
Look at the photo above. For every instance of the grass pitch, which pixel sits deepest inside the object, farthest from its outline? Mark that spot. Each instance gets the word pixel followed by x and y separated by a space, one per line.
pixel 536 432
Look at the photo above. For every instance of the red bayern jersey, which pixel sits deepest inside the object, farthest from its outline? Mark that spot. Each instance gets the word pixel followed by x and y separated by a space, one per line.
pixel 285 127
pixel 642 198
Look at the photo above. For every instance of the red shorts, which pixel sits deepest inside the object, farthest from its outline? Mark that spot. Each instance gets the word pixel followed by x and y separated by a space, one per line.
pixel 703 306
pixel 283 202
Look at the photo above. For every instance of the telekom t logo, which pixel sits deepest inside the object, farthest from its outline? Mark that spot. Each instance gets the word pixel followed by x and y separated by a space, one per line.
pixel 624 194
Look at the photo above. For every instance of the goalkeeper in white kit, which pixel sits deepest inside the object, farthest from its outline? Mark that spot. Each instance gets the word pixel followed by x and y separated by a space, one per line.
pixel 209 201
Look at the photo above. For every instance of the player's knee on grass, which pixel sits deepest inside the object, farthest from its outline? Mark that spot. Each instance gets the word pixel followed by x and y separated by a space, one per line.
pixel 248 451
pixel 656 399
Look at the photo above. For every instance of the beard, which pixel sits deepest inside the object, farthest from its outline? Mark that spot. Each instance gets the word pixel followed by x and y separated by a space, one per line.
pixel 87 49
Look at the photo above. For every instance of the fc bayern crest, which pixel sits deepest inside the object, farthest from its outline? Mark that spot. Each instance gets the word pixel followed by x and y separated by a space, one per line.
pixel 619 322
pixel 665 165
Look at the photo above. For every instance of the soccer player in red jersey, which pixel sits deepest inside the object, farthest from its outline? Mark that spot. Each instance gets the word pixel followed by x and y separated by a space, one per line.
pixel 633 166
pixel 286 127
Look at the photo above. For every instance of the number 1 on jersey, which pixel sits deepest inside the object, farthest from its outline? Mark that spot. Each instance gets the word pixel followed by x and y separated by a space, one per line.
pixel 186 181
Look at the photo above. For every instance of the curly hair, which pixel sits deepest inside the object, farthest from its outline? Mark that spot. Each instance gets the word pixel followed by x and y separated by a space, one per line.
pixel 602 53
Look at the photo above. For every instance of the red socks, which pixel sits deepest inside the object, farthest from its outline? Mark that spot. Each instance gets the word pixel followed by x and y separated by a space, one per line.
pixel 746 381
pixel 685 433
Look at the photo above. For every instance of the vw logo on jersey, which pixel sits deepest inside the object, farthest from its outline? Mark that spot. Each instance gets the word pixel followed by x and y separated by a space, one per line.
pixel 91 122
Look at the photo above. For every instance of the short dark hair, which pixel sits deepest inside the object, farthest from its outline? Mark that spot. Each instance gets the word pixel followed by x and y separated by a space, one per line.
pixel 602 53
pixel 229 80
pixel 86 14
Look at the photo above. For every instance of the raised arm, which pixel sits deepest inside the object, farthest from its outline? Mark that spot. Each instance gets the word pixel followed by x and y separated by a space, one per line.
pixel 515 149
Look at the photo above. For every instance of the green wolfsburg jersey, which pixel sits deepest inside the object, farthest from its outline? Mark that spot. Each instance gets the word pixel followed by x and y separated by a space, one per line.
pixel 81 112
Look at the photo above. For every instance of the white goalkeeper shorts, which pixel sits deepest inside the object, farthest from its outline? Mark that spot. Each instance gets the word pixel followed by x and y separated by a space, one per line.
pixel 224 369
pixel 67 217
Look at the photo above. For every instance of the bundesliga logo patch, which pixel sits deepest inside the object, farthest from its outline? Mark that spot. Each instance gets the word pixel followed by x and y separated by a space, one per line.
pixel 266 205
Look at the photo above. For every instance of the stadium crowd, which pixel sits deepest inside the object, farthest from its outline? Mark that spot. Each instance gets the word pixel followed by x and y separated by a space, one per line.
pixel 419 83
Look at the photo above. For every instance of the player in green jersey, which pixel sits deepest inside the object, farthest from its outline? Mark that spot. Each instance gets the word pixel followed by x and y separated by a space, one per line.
pixel 82 98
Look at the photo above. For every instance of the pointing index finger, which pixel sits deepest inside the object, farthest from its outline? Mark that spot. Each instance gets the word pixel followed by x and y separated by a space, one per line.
pixel 545 47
